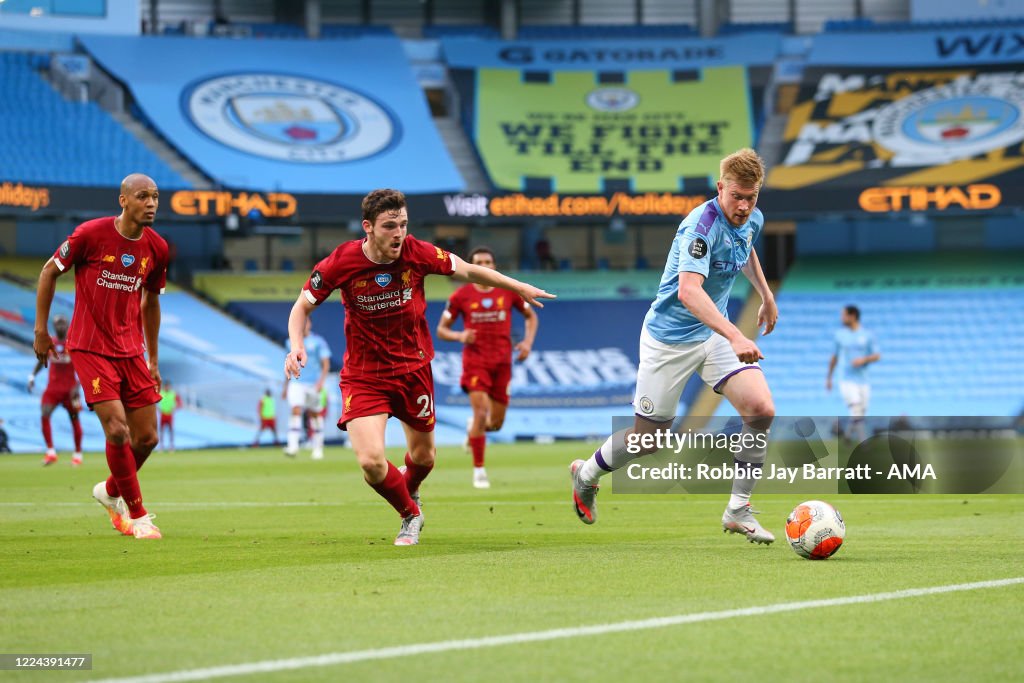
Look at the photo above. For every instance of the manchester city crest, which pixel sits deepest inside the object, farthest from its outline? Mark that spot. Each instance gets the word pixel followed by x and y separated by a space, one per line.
pixel 290 118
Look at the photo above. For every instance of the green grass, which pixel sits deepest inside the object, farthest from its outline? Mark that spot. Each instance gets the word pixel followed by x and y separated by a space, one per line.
pixel 234 584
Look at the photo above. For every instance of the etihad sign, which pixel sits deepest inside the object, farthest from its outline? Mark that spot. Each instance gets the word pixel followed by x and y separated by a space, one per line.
pixel 922 198
pixel 27 196
pixel 212 203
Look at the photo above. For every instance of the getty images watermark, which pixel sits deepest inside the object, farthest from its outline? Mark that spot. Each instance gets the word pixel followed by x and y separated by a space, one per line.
pixel 826 455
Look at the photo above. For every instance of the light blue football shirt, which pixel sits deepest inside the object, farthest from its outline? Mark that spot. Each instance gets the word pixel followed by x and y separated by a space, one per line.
pixel 707 244
pixel 316 350
pixel 852 344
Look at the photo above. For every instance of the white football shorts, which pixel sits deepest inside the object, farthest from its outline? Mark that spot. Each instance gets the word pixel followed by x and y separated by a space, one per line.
pixel 665 368
pixel 856 397
pixel 304 396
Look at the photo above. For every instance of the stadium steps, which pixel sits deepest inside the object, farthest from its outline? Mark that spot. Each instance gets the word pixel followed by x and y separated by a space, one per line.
pixel 164 151
pixel 770 144
pixel 463 154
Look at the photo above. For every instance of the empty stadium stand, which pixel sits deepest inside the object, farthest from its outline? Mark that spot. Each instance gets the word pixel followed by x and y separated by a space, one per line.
pixel 949 329
pixel 47 139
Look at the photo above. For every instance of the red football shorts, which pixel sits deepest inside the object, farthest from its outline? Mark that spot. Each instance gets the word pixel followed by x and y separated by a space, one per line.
pixel 167 420
pixel 493 380
pixel 409 397
pixel 70 400
pixel 269 423
pixel 105 378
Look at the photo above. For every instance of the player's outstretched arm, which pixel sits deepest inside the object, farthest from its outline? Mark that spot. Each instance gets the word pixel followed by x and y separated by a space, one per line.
pixel 831 368
pixel 467 272
pixel 42 344
pixel 768 313
pixel 296 358
pixel 697 301
pixel 150 307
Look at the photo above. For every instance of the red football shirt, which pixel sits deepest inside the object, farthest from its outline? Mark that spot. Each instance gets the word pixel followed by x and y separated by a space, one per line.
pixel 385 310
pixel 62 375
pixel 110 269
pixel 490 314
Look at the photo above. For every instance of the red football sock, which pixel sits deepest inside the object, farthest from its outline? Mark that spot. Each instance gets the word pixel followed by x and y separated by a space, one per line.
pixel 393 490
pixel 76 427
pixel 415 474
pixel 477 444
pixel 47 431
pixel 122 467
pixel 112 487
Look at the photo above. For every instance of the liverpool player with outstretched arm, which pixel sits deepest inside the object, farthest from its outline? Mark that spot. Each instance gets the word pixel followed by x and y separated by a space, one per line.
pixel 120 269
pixel 486 354
pixel 386 368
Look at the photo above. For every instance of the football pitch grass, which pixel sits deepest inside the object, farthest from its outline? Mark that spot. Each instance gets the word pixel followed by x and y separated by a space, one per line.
pixel 272 560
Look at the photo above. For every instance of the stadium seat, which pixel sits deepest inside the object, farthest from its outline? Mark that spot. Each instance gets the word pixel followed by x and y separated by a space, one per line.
pixel 928 367
pixel 47 139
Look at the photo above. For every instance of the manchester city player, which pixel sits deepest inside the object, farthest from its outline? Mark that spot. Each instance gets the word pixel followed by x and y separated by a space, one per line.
pixel 855 350
pixel 686 331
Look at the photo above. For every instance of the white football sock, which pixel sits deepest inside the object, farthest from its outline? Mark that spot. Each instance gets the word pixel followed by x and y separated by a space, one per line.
pixel 294 432
pixel 749 459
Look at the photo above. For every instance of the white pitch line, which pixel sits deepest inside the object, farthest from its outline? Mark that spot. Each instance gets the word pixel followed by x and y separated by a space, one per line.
pixel 335 658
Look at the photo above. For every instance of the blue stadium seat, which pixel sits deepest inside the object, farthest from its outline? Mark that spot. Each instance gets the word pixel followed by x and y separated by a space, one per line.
pixel 437 31
pixel 929 367
pixel 606 32
pixel 758 26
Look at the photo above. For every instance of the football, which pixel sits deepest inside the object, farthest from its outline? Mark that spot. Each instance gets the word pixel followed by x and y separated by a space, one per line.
pixel 815 530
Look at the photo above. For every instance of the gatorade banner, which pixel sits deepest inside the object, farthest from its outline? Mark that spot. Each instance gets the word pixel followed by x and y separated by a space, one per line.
pixel 601 132
pixel 882 140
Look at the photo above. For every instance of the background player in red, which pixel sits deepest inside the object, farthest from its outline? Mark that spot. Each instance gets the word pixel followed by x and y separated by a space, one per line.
pixel 61 390
pixel 386 369
pixel 487 354
pixel 120 269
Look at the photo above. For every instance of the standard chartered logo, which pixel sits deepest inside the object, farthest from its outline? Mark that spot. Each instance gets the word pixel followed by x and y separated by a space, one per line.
pixel 119 281
pixel 378 302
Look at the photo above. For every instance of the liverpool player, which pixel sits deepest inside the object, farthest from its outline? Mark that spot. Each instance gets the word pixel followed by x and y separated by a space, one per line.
pixel 386 370
pixel 61 390
pixel 486 354
pixel 120 269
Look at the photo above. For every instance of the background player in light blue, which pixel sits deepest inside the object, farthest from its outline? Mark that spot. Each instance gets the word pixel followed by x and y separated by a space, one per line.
pixel 855 350
pixel 303 394
pixel 687 330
